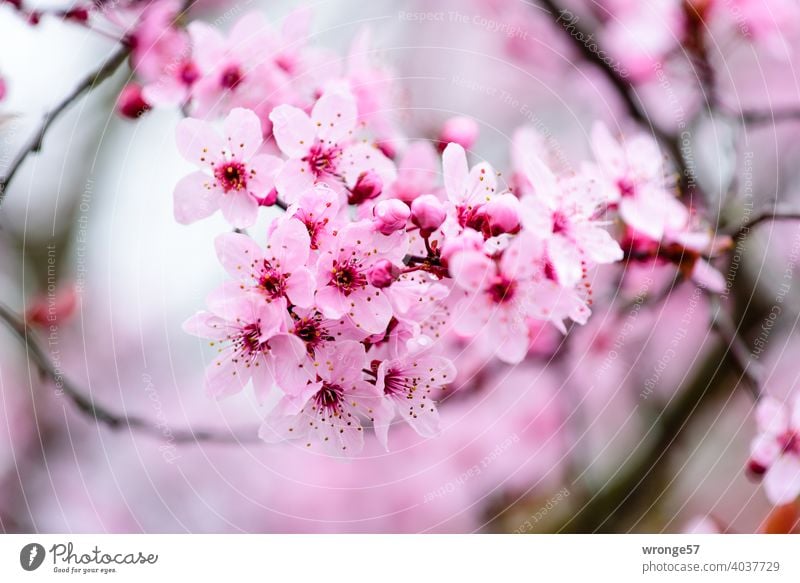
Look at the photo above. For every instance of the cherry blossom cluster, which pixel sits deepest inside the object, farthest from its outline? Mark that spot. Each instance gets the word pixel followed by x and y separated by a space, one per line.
pixel 389 248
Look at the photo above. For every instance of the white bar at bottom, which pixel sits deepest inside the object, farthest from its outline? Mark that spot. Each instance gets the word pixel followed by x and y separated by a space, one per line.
pixel 389 558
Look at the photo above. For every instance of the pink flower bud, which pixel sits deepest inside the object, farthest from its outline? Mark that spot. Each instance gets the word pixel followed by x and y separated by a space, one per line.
pixel 460 130
pixel 468 240
pixel 391 215
pixel 131 104
pixel 270 199
pixel 382 273
pixel 428 213
pixel 502 214
pixel 368 186
pixel 3 89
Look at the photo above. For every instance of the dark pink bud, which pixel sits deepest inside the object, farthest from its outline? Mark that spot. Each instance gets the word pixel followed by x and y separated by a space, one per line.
pixel 756 469
pixel 382 273
pixel 368 186
pixel 428 213
pixel 460 130
pixel 3 89
pixel 502 214
pixel 391 215
pixel 131 104
pixel 78 14
pixel 270 199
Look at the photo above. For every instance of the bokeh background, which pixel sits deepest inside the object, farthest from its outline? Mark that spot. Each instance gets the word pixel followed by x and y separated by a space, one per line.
pixel 523 448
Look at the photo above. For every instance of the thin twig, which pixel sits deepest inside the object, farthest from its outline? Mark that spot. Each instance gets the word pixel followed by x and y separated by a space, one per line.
pixel 87 405
pixel 766 215
pixel 737 349
pixel 770 116
pixel 34 143
pixel 623 87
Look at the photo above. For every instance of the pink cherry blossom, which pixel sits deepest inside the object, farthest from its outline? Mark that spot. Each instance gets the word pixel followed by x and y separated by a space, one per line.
pixel 246 330
pixel 503 293
pixel 410 387
pixel 326 415
pixel 635 178
pixel 566 215
pixel 234 177
pixel 343 283
pixel 322 147
pixel 775 451
pixel 277 272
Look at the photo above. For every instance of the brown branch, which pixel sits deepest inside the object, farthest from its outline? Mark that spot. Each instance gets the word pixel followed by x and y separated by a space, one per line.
pixel 87 405
pixel 770 116
pixel 34 143
pixel 626 91
pixel 764 216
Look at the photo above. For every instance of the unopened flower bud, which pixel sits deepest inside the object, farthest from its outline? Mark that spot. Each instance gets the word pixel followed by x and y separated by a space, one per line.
pixel 460 130
pixel 3 89
pixel 131 103
pixel 391 215
pixel 428 213
pixel 382 273
pixel 368 186
pixel 502 214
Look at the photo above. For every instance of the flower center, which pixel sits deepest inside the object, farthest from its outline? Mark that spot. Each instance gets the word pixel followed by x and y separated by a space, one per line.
pixel 231 77
pixel 248 342
pixel 231 175
pixel 626 187
pixel 560 222
pixel 347 276
pixel 272 281
pixel 502 289
pixel 323 161
pixel 189 73
pixel 311 331
pixel 394 383
pixel 329 398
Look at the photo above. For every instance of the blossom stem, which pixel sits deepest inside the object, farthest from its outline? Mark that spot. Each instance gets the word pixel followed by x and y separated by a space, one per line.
pixel 34 143
pixel 87 405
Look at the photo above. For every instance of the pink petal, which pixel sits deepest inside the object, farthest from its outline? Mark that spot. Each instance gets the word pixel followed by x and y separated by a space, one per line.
pixel 293 179
pixel 542 180
pixel 772 416
pixel 708 277
pixel 370 310
pixel 238 254
pixel 224 377
pixel 332 303
pixel 383 415
pixel 782 480
pixel 198 142
pixel 456 171
pixel 362 157
pixel 195 198
pixel 240 209
pixel 265 169
pixel 472 270
pixel 208 45
pixel 293 369
pixel 334 115
pixel 300 287
pixel 206 325
pixel 242 130
pixel 293 130
pixel 289 244
pixel 263 377
pixel 566 260
pixel 597 244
